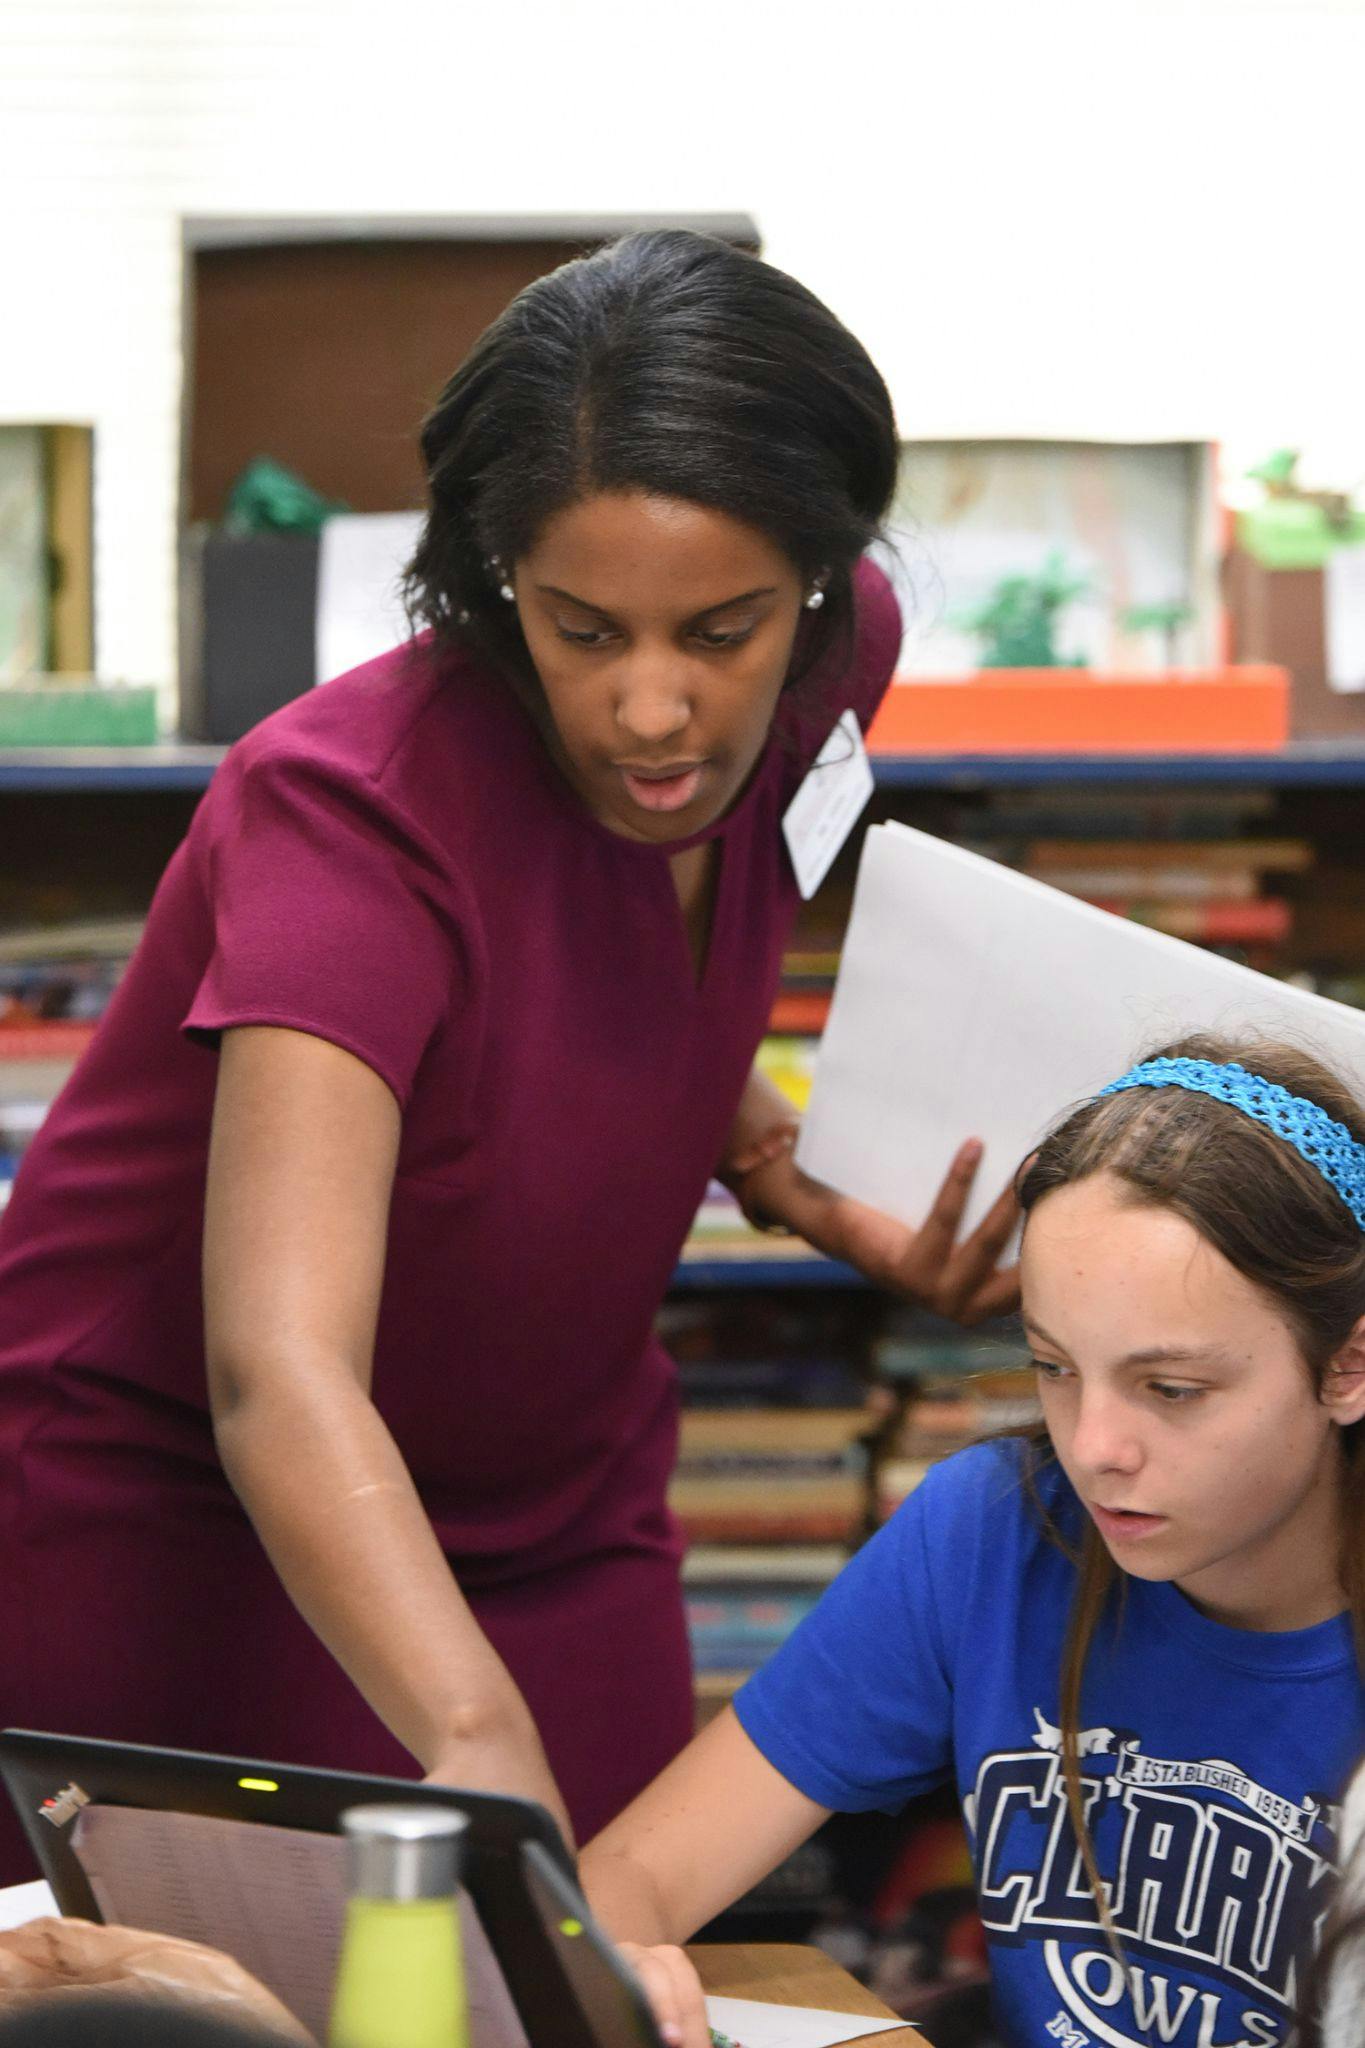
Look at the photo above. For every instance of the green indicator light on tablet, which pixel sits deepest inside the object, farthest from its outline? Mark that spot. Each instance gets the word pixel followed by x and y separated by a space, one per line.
pixel 571 1927
pixel 258 1784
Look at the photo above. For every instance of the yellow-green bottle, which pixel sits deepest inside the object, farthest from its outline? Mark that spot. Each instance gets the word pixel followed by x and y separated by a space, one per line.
pixel 400 1979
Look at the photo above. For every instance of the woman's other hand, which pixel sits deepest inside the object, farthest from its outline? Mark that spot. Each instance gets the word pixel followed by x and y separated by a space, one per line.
pixel 502 1754
pixel 674 1991
pixel 961 1279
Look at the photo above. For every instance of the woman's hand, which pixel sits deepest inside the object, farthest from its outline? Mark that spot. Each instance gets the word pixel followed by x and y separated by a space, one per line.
pixel 674 1991
pixel 503 1755
pixel 929 1265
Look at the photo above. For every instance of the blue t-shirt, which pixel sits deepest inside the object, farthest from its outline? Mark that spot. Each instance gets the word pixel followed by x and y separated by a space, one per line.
pixel 1212 1759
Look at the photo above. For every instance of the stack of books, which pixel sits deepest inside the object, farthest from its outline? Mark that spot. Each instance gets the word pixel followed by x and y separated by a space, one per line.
pixel 743 1601
pixel 1221 893
pixel 55 984
pixel 782 1475
pixel 801 1005
pixel 772 1484
pixel 955 1391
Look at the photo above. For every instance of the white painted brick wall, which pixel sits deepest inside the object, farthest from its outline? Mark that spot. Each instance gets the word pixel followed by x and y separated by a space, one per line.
pixel 1115 216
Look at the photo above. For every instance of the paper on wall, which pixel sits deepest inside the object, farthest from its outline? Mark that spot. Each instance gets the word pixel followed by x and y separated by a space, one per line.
pixel 973 1001
pixel 1343 592
pixel 361 559
pixel 752 2024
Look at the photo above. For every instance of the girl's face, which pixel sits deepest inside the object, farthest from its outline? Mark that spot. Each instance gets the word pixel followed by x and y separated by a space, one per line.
pixel 662 633
pixel 1182 1411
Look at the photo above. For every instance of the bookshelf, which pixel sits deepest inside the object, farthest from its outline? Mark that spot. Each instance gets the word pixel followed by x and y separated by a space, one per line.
pixel 78 815
pixel 61 799
pixel 63 811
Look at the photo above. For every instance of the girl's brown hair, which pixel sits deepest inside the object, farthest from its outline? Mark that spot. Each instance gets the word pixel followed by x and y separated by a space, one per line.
pixel 1274 1218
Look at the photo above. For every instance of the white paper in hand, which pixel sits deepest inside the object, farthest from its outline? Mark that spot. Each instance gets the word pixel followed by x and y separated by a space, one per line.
pixel 973 1001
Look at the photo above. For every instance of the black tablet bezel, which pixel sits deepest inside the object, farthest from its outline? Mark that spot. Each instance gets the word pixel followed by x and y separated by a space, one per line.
pixel 546 1983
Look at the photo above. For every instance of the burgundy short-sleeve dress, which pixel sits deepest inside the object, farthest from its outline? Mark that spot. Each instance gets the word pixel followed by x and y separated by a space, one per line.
pixel 394 864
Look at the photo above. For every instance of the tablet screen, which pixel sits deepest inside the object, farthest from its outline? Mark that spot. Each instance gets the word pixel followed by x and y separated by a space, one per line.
pixel 273 1898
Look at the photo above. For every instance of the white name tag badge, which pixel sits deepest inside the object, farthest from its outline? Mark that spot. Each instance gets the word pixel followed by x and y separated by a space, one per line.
pixel 828 804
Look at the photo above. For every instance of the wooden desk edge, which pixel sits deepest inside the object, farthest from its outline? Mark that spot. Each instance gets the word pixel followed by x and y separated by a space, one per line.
pixel 785 1973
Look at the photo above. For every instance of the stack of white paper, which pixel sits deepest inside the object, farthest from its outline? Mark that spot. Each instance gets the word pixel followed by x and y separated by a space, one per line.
pixel 975 1002
pixel 750 2023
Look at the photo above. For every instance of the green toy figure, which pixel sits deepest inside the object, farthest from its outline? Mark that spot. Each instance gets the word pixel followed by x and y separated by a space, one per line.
pixel 1166 619
pixel 1017 620
pixel 1295 528
pixel 268 498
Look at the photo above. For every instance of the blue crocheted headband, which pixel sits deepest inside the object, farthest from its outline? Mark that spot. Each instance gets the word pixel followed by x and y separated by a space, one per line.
pixel 1315 1136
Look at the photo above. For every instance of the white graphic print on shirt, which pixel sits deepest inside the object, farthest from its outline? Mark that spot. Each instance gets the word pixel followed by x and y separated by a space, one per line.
pixel 1216 1885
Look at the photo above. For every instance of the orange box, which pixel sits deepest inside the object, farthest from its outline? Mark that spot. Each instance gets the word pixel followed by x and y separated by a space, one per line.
pixel 1238 710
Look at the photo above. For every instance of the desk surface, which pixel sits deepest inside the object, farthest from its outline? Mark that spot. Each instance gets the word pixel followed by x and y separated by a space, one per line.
pixel 785 1974
pixel 778 1973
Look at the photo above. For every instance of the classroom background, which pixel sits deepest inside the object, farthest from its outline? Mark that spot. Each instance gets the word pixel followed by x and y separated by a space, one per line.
pixel 1105 256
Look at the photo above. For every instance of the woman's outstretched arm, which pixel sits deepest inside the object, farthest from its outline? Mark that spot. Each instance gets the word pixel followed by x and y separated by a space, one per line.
pixel 301 1165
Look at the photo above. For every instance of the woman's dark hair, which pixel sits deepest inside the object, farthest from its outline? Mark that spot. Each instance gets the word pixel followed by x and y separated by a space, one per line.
pixel 1277 1220
pixel 669 363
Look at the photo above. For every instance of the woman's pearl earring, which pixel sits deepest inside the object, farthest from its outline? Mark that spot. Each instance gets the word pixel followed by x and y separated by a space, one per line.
pixel 496 570
pixel 815 600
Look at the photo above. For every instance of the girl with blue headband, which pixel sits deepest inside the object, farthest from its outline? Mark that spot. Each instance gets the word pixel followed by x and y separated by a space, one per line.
pixel 1133 1639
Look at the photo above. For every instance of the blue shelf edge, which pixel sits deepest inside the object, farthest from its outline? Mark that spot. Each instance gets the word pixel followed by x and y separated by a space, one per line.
pixel 173 765
pixel 1323 763
pixel 809 1272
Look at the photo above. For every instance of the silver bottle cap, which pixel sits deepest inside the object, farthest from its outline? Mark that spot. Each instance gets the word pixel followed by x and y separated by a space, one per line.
pixel 403 1852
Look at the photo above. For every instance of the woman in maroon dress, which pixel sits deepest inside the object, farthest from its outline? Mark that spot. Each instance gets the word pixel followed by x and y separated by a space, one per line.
pixel 332 1427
